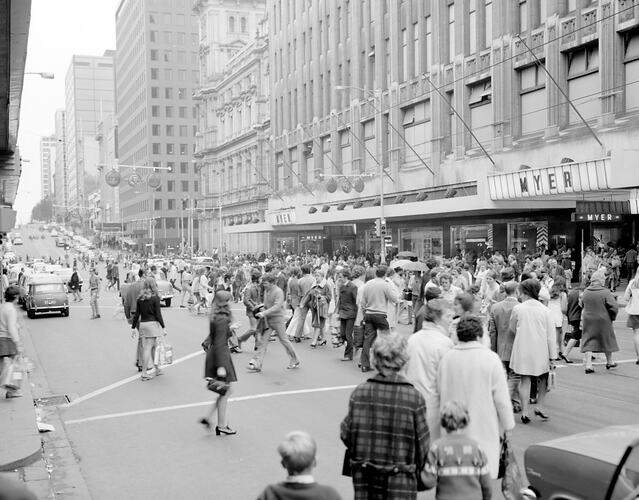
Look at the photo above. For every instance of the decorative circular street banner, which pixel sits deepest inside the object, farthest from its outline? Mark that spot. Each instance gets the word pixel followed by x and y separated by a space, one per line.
pixel 134 180
pixel 358 185
pixel 113 178
pixel 331 185
pixel 154 181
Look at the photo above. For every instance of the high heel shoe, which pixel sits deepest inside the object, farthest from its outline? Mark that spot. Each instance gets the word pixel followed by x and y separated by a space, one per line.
pixel 566 360
pixel 589 370
pixel 610 366
pixel 321 343
pixel 525 419
pixel 205 422
pixel 227 431
pixel 313 345
pixel 541 414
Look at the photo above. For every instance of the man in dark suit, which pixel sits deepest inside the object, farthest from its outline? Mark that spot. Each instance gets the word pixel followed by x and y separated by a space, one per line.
pixel 347 310
pixel 502 337
pixel 132 295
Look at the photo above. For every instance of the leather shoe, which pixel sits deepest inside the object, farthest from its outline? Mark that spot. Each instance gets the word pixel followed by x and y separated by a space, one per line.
pixel 366 369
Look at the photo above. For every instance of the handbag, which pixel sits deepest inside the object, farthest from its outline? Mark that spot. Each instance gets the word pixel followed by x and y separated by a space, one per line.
pixel 218 386
pixel 512 482
pixel 163 353
pixel 347 468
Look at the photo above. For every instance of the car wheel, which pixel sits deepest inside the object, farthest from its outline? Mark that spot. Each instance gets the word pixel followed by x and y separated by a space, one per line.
pixel 167 302
pixel 31 313
pixel 65 312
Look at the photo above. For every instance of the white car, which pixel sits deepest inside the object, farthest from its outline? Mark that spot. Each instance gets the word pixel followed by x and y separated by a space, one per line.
pixel 17 240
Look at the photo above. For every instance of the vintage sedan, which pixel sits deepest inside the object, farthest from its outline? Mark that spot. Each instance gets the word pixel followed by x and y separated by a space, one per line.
pixel 46 293
pixel 594 465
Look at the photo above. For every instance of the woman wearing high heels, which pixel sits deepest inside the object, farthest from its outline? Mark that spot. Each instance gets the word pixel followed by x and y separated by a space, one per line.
pixel 534 347
pixel 599 311
pixel 219 364
pixel 319 300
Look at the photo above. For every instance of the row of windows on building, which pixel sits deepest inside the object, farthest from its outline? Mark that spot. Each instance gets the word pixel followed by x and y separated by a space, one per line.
pixel 169 130
pixel 169 111
pixel 181 75
pixel 231 25
pixel 233 176
pixel 167 19
pixel 182 93
pixel 170 149
pixel 184 166
pixel 163 223
pixel 173 38
pixel 167 56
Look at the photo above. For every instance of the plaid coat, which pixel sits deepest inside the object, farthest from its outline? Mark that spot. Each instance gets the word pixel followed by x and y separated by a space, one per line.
pixel 386 427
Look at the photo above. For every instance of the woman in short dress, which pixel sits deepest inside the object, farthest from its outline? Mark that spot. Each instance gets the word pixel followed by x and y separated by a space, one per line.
pixel 219 364
pixel 149 322
pixel 632 308
pixel 10 342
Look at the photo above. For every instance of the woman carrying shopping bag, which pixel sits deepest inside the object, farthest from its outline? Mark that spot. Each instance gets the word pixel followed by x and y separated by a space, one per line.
pixel 10 343
pixel 148 320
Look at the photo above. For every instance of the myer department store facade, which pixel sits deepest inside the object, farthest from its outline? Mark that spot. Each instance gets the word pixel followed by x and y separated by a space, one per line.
pixel 555 206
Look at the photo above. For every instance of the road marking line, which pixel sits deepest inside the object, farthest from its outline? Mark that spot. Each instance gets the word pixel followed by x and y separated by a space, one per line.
pixel 122 382
pixel 110 416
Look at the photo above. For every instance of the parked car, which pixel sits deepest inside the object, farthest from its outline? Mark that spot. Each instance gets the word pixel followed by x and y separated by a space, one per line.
pixel 17 240
pixel 594 465
pixel 46 293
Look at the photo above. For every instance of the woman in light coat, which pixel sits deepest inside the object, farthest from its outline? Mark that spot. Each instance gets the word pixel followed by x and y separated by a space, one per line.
pixel 426 348
pixel 534 346
pixel 632 308
pixel 473 375
pixel 599 311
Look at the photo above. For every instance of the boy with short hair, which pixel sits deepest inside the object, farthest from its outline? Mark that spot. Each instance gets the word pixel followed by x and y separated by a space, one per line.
pixel 455 463
pixel 298 458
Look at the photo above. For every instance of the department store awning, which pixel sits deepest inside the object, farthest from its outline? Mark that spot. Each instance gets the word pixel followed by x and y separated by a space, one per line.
pixel 567 178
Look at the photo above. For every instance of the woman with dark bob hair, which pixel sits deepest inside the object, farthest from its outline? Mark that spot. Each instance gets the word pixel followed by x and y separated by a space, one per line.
pixel 385 429
pixel 473 375
pixel 534 346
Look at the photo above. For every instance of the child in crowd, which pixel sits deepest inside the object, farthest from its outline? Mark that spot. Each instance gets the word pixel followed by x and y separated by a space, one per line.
pixel 298 458
pixel 455 463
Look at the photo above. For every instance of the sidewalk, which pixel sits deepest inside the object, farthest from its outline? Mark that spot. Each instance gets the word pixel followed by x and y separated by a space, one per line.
pixel 21 445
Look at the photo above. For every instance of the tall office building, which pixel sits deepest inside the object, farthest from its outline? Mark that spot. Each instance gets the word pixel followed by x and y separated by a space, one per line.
pixel 47 164
pixel 60 174
pixel 156 74
pixel 489 125
pixel 89 96
pixel 232 150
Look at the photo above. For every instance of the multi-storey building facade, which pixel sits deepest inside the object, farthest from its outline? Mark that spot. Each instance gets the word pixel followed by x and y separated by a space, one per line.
pixel 60 173
pixel 108 196
pixel 440 104
pixel 156 74
pixel 89 96
pixel 47 163
pixel 232 150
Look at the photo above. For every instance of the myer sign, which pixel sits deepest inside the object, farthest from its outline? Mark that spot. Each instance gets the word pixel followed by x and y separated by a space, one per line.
pixel 559 179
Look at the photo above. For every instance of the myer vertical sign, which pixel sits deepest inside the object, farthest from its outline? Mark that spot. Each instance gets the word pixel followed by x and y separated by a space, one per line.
pixel 559 179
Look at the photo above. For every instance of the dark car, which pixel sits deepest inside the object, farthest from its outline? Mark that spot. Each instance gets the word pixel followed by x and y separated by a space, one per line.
pixel 46 293
pixel 595 465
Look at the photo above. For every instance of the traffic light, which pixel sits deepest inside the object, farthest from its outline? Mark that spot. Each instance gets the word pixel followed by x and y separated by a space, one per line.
pixel 382 228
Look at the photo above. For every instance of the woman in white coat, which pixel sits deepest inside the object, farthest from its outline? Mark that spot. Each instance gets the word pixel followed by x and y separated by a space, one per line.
pixel 426 347
pixel 473 375
pixel 632 308
pixel 534 347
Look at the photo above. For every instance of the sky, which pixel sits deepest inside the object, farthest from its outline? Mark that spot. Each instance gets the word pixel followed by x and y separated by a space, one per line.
pixel 59 29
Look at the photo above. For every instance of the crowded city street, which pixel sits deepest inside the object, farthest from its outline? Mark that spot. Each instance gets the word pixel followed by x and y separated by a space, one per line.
pixel 129 436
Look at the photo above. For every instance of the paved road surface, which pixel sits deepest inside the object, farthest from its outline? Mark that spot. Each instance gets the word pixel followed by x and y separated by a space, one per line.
pixel 141 440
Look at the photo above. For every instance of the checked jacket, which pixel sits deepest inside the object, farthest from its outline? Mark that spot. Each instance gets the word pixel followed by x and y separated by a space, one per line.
pixel 387 436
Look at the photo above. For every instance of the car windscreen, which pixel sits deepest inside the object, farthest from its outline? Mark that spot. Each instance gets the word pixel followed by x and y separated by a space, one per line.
pixel 49 288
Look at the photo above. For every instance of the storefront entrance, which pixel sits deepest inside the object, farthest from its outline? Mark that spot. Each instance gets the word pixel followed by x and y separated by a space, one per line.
pixel 470 240
pixel 426 242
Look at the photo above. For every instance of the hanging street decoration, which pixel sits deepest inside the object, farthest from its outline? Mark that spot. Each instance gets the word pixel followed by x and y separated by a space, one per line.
pixel 154 181
pixel 134 180
pixel 113 178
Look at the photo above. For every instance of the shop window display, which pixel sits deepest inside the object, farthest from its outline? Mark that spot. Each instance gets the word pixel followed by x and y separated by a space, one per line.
pixel 425 242
pixel 526 237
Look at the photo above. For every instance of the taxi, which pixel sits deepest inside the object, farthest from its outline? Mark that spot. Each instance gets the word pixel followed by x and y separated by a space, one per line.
pixel 46 293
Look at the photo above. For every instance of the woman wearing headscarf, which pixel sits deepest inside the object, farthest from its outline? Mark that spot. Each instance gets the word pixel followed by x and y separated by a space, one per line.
pixel 599 311
pixel 534 347
pixel 148 320
pixel 219 364
pixel 385 430
pixel 473 375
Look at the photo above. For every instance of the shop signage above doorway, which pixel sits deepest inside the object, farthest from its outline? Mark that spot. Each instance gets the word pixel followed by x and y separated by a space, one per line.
pixel 577 177
pixel 283 218
pixel 598 217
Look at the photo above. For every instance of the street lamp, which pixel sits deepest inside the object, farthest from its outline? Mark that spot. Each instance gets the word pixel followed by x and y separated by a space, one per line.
pixel 377 95
pixel 43 74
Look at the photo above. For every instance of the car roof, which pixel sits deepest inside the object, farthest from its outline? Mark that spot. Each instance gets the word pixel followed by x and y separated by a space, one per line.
pixel 44 278
pixel 607 444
